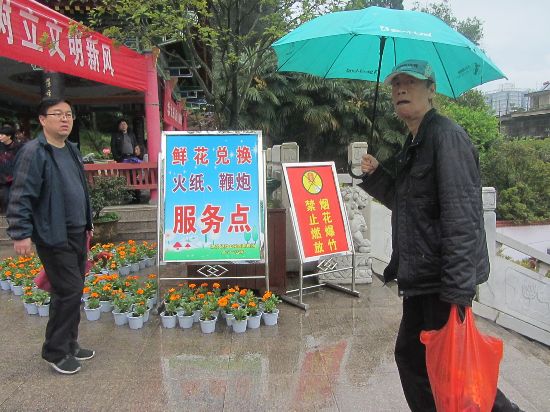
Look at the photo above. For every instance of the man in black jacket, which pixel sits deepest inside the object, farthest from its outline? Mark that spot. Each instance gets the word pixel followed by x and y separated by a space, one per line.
pixel 438 237
pixel 49 204
pixel 124 144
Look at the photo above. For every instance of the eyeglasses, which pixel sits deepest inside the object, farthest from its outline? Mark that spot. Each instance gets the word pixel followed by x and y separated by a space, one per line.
pixel 60 115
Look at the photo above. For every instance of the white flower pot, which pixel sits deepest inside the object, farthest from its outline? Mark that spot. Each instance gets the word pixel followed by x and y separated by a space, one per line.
pixel 92 314
pixel 134 267
pixel 146 315
pixel 142 264
pixel 17 290
pixel 105 306
pixel 185 322
pixel 124 270
pixel 196 315
pixel 270 319
pixel 43 310
pixel 149 262
pixel 31 308
pixel 135 322
pixel 254 321
pixel 239 326
pixel 208 326
pixel 121 318
pixel 5 284
pixel 168 321
pixel 229 318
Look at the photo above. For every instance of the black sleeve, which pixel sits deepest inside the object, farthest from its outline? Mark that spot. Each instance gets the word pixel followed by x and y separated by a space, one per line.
pixel 25 190
pixel 461 215
pixel 381 186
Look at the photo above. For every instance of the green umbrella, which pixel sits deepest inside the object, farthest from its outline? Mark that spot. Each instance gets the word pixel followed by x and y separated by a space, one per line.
pixel 366 44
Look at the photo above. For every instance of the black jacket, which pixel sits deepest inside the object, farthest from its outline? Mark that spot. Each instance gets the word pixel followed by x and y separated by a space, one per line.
pixel 36 208
pixel 438 233
pixel 117 140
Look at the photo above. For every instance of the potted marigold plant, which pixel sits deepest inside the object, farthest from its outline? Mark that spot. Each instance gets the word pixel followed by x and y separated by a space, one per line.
pixel 29 302
pixel 42 300
pixel 271 313
pixel 122 304
pixel 207 317
pixel 135 317
pixel 241 315
pixel 91 308
pixel 168 317
pixel 185 315
pixel 254 315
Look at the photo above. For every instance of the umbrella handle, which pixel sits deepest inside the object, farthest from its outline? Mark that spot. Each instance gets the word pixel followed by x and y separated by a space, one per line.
pixel 352 174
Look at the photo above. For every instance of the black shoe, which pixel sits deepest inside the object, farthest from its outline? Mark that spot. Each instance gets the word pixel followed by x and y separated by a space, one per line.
pixel 84 354
pixel 67 366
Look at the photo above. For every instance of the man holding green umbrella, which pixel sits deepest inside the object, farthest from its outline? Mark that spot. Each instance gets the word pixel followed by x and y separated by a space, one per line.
pixel 439 247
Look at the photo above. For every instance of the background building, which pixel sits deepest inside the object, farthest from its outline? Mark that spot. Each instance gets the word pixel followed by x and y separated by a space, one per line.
pixel 507 99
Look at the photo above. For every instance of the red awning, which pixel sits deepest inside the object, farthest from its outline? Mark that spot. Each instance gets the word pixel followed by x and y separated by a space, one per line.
pixel 32 33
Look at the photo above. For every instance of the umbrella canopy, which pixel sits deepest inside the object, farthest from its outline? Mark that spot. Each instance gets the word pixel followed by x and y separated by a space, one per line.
pixel 366 44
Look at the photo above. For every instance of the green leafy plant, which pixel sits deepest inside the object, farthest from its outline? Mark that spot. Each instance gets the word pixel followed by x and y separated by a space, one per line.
pixel 108 191
pixel 206 311
pixel 188 308
pixel 239 312
pixel 122 302
pixel 270 301
pixel 93 301
pixel 139 309
pixel 28 297
pixel 41 297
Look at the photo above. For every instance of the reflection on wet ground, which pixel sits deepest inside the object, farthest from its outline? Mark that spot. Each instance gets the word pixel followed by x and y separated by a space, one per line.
pixel 336 357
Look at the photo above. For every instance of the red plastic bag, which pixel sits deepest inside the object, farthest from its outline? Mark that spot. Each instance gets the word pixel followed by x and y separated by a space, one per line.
pixel 462 365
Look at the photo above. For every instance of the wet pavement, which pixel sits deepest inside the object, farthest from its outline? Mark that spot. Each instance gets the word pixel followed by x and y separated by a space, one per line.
pixel 336 357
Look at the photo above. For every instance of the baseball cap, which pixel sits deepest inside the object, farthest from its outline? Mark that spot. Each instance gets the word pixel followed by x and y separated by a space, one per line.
pixel 420 69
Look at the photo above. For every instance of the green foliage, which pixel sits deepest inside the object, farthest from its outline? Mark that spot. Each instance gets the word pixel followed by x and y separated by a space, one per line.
pixel 108 191
pixel 93 142
pixel 472 27
pixel 475 117
pixel 520 172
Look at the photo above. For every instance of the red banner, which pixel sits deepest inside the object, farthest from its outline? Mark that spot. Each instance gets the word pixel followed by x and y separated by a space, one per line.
pixel 32 33
pixel 317 209
pixel 173 111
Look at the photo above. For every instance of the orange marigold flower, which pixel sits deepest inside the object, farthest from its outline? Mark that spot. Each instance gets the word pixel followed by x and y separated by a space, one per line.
pixel 231 290
pixel 251 304
pixel 201 295
pixel 204 285
pixel 140 291
pixel 235 305
pixel 209 293
pixel 216 285
pixel 28 293
pixel 192 286
pixel 94 295
pixel 174 297
pixel 267 295
pixel 242 292
pixel 86 289
pixel 222 302
pixel 171 290
pixel 152 276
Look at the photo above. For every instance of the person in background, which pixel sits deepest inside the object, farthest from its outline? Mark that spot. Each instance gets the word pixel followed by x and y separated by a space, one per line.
pixel 9 146
pixel 438 238
pixel 124 144
pixel 49 203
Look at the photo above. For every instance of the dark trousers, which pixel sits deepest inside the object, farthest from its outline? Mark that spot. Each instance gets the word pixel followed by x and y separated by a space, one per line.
pixel 65 268
pixel 424 312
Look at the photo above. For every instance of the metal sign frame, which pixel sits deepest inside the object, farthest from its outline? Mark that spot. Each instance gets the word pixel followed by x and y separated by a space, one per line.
pixel 326 263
